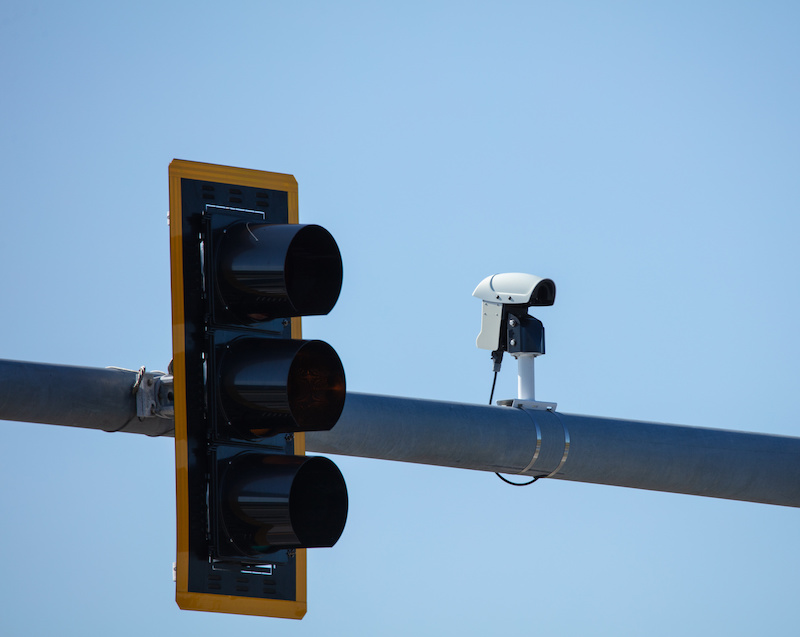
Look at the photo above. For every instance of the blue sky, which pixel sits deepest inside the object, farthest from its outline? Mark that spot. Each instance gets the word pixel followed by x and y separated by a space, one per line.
pixel 643 155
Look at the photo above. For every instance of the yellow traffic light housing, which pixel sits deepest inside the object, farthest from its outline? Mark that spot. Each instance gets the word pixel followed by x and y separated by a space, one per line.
pixel 246 388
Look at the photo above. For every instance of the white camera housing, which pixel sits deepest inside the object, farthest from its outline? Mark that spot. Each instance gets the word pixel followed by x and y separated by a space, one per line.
pixel 511 288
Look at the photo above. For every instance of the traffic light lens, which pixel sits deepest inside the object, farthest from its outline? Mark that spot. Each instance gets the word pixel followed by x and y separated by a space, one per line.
pixel 313 271
pixel 279 386
pixel 267 271
pixel 278 502
pixel 318 503
pixel 316 387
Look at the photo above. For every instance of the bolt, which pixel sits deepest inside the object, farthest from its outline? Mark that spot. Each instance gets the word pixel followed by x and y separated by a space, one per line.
pixel 512 323
pixel 512 342
pixel 285 322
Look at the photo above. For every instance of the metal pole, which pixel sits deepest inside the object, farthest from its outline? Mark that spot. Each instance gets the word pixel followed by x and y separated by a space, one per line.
pixel 87 397
pixel 710 462
pixel 526 379
pixel 660 457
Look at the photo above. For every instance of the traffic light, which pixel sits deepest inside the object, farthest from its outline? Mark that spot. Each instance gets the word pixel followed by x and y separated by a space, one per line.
pixel 246 387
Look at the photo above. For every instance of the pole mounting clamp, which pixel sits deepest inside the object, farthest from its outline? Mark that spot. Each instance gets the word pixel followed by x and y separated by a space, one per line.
pixel 527 404
pixel 154 396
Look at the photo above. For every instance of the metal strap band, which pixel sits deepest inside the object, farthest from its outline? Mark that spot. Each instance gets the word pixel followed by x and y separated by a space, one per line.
pixel 538 445
pixel 566 447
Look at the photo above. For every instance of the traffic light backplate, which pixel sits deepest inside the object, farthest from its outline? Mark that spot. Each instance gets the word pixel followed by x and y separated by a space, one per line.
pixel 246 387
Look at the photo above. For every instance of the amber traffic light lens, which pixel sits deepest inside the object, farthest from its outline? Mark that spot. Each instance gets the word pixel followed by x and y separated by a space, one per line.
pixel 278 386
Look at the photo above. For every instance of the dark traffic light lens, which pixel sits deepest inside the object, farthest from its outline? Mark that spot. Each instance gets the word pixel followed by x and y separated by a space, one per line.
pixel 278 270
pixel 277 502
pixel 272 386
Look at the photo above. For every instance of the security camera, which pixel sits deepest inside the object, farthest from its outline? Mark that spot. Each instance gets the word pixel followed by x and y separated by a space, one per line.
pixel 506 326
pixel 506 298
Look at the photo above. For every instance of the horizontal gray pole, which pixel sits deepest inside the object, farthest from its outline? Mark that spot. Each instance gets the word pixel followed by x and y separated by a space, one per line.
pixel 660 457
pixel 709 462
pixel 87 397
